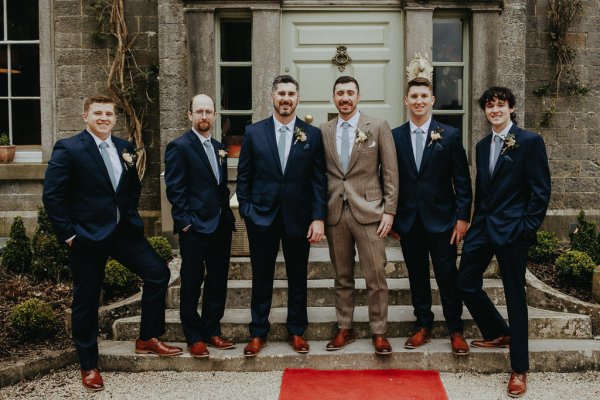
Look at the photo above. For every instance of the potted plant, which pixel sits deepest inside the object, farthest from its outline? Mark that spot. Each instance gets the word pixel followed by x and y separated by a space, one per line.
pixel 7 151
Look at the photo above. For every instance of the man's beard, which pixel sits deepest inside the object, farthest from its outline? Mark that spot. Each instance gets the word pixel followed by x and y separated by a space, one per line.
pixel 285 113
pixel 203 127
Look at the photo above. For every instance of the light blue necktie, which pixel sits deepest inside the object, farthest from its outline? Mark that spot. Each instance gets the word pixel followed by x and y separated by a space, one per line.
pixel 345 146
pixel 212 158
pixel 111 172
pixel 419 144
pixel 281 146
pixel 496 148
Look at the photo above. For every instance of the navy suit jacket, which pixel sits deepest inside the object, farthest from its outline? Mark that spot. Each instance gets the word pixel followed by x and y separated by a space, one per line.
pixel 196 197
pixel 263 189
pixel 511 204
pixel 440 191
pixel 78 194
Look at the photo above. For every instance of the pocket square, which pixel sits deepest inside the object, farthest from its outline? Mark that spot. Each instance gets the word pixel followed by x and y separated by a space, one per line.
pixel 306 146
pixel 372 145
pixel 507 158
pixel 439 147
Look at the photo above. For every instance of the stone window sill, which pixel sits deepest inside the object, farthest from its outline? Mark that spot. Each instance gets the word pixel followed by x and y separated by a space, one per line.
pixel 23 171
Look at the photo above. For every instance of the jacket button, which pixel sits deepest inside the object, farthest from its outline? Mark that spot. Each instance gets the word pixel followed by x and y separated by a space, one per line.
pixel 344 179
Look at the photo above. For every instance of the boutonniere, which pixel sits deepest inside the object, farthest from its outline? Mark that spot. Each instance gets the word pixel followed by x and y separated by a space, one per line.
pixel 362 136
pixel 222 156
pixel 299 135
pixel 129 158
pixel 436 135
pixel 509 143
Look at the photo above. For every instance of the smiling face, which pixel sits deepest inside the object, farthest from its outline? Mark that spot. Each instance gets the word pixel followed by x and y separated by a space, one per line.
pixel 285 100
pixel 100 119
pixel 346 98
pixel 419 101
pixel 498 113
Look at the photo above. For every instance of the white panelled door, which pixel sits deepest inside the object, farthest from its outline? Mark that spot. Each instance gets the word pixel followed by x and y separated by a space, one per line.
pixel 374 42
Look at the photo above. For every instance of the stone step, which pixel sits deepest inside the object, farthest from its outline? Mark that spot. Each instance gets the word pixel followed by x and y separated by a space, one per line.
pixel 320 267
pixel 322 326
pixel 545 355
pixel 321 293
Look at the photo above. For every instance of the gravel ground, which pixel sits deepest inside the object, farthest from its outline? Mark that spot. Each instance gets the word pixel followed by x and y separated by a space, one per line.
pixel 265 386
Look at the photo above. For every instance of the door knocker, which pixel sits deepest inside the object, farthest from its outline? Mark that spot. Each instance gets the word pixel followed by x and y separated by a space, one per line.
pixel 341 58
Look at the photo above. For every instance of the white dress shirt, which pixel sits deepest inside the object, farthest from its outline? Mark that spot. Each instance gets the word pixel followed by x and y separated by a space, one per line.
pixel 502 135
pixel 413 135
pixel 113 153
pixel 289 135
pixel 351 131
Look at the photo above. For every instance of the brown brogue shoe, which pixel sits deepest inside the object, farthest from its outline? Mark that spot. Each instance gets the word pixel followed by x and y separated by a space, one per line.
pixel 299 344
pixel 502 341
pixel 517 384
pixel 220 343
pixel 418 339
pixel 155 346
pixel 198 350
pixel 254 347
pixel 382 346
pixel 459 344
pixel 342 338
pixel 92 380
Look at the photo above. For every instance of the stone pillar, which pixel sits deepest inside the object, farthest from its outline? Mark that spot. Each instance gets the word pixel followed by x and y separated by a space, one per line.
pixel 200 24
pixel 419 33
pixel 596 285
pixel 265 58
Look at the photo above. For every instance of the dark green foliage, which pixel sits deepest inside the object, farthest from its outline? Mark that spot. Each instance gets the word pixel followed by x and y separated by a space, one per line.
pixel 50 260
pixel 546 249
pixel 17 253
pixel 162 247
pixel 33 320
pixel 575 266
pixel 585 238
pixel 119 281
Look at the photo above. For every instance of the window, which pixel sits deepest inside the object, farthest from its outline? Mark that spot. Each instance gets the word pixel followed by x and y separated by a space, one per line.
pixel 450 73
pixel 234 78
pixel 20 72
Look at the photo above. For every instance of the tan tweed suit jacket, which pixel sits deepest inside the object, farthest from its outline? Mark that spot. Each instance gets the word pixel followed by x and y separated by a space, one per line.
pixel 371 182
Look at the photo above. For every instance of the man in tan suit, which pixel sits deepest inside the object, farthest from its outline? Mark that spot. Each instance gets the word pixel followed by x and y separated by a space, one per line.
pixel 362 174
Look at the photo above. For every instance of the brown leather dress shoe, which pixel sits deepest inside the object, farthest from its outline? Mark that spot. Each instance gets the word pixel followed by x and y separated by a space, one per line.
pixel 299 344
pixel 155 346
pixel 382 346
pixel 220 343
pixel 418 339
pixel 517 384
pixel 342 338
pixel 254 347
pixel 459 344
pixel 198 350
pixel 502 341
pixel 92 380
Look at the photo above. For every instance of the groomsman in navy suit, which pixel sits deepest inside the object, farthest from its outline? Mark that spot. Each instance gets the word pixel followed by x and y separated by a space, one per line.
pixel 512 193
pixel 91 194
pixel 282 191
pixel 196 179
pixel 434 207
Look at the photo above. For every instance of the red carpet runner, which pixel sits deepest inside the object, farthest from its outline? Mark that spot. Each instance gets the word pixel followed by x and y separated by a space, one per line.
pixel 312 384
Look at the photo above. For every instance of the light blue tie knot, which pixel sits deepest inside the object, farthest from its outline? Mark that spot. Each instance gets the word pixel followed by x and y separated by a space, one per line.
pixel 281 146
pixel 211 158
pixel 419 146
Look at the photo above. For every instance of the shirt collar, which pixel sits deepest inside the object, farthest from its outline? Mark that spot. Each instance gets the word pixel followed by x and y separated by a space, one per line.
pixel 108 140
pixel 504 131
pixel 278 124
pixel 424 127
pixel 352 121
pixel 202 138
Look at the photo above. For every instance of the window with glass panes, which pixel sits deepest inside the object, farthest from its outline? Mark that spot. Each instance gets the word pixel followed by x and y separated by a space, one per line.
pixel 234 91
pixel 20 72
pixel 450 72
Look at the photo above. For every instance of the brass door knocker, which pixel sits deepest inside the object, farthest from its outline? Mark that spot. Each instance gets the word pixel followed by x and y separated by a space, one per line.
pixel 341 58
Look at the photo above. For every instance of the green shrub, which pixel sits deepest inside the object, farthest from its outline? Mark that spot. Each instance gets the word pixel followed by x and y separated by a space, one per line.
pixel 585 238
pixel 575 266
pixel 33 320
pixel 17 253
pixel 4 139
pixel 119 281
pixel 162 247
pixel 546 249
pixel 50 260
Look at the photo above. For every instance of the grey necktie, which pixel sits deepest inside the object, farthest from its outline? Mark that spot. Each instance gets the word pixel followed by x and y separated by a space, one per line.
pixel 212 158
pixel 106 158
pixel 281 146
pixel 496 148
pixel 419 144
pixel 345 146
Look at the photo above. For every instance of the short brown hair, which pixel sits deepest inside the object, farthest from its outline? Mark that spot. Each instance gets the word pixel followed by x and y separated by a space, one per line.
pixel 419 82
pixel 99 98
pixel 284 79
pixel 346 79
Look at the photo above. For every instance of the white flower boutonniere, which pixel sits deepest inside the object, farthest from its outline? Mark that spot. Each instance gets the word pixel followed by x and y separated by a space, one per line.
pixel 299 135
pixel 361 136
pixel 436 135
pixel 222 156
pixel 129 158
pixel 509 143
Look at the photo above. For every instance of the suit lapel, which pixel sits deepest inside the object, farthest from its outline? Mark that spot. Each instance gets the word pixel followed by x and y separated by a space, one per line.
pixel 94 151
pixel 120 149
pixel 294 146
pixel 269 132
pixel 330 140
pixel 428 147
pixel 407 146
pixel 197 145
pixel 220 163
pixel 514 130
pixel 485 159
pixel 364 124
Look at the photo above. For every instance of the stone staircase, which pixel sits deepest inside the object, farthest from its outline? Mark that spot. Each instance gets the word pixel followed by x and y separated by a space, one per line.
pixel 558 341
